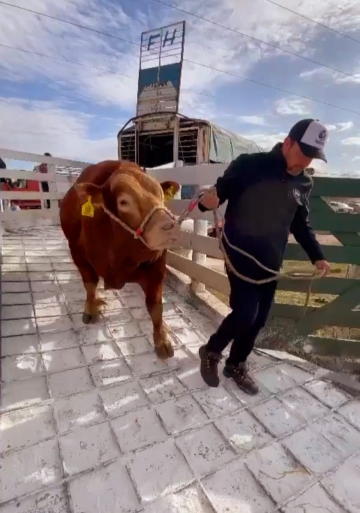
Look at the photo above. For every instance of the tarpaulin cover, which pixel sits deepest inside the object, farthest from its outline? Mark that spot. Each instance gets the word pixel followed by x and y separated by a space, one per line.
pixel 225 146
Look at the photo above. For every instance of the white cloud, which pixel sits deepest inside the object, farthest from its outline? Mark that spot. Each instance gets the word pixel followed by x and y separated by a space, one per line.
pixel 335 76
pixel 253 120
pixel 266 141
pixel 37 127
pixel 292 107
pixel 205 43
pixel 345 126
pixel 355 158
pixel 351 141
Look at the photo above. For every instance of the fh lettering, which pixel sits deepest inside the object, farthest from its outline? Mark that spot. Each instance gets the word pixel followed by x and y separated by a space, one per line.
pixel 167 40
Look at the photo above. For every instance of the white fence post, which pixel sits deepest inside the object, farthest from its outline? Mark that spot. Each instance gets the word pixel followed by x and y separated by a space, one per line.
pixel 54 205
pixel 200 228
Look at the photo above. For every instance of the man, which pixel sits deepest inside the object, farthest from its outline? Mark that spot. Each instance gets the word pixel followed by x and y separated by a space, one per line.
pixel 268 198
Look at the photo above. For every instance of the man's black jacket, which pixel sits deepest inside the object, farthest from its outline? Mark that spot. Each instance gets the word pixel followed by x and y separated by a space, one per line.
pixel 265 204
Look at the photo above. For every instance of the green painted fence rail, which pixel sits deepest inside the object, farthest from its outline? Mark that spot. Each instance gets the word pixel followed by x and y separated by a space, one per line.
pixel 342 311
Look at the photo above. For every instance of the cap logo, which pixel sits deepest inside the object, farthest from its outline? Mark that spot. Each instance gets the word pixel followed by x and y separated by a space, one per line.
pixel 322 135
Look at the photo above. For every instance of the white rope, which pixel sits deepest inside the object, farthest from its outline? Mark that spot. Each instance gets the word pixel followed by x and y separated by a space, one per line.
pixel 137 234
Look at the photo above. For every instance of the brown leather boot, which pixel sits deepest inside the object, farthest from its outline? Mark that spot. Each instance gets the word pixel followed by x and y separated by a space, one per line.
pixel 209 366
pixel 241 377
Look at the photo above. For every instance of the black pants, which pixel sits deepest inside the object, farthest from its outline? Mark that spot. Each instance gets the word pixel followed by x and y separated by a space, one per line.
pixel 250 305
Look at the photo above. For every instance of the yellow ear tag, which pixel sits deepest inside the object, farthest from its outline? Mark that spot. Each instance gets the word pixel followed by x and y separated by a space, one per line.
pixel 170 193
pixel 87 209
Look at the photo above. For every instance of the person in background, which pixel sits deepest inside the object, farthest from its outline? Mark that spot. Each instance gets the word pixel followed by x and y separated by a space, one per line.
pixel 43 168
pixel 3 166
pixel 268 198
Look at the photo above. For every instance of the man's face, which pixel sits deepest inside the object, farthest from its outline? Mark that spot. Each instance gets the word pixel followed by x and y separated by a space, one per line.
pixel 295 159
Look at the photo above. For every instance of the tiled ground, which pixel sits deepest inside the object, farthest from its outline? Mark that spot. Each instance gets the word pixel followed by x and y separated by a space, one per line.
pixel 92 422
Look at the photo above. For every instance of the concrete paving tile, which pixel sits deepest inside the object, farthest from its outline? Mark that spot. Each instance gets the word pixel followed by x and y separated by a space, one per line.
pixel 78 410
pixel 216 401
pixel 47 298
pixel 243 432
pixel 181 414
pixel 312 500
pixel 313 450
pixel 339 433
pixel 276 379
pixel 56 361
pixel 88 447
pixel 125 330
pixel 205 450
pixel 11 287
pixel 49 501
pixel 23 393
pixel 24 427
pixel 277 417
pixel 123 398
pixel 190 377
pixel 278 472
pixel 351 411
pixel 111 372
pixel 107 490
pixel 190 500
pixel 233 489
pixel 21 366
pixel 327 393
pixel 51 309
pixel 100 352
pixel 158 471
pixel 58 340
pixel 21 298
pixel 162 388
pixel 134 346
pixel 344 485
pixel 48 324
pixel 70 382
pixel 303 404
pixel 18 327
pixel 147 364
pixel 112 318
pixel 41 464
pixel 93 334
pixel 138 429
pixel 22 344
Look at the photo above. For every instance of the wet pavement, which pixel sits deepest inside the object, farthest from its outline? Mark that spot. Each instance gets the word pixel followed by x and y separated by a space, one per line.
pixel 93 422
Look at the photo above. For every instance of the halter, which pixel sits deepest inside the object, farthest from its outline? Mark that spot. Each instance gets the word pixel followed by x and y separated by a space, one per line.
pixel 138 233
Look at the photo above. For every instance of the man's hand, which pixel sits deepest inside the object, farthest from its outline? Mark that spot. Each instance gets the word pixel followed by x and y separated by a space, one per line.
pixel 210 199
pixel 323 265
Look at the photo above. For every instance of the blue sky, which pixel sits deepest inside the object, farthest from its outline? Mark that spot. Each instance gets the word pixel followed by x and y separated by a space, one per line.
pixel 76 111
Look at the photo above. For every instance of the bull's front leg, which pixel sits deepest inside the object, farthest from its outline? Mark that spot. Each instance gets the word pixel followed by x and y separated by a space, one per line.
pixel 153 299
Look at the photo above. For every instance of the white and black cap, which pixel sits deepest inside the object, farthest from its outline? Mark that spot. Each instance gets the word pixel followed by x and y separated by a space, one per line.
pixel 311 136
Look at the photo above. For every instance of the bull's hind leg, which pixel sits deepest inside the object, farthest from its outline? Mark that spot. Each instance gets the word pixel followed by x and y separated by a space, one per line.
pixel 153 300
pixel 90 280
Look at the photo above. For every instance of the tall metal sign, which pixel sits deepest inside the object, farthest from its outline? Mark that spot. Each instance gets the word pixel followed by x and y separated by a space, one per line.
pixel 161 58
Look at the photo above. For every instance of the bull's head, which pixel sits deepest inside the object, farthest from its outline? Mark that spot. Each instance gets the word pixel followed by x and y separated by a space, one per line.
pixel 131 195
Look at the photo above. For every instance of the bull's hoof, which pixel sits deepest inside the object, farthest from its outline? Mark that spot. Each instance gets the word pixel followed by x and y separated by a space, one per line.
pixel 164 351
pixel 88 318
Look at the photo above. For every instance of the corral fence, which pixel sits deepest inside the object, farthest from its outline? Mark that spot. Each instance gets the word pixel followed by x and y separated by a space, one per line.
pixel 331 322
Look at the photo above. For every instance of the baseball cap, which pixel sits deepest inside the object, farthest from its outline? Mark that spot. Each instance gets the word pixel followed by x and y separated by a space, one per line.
pixel 311 136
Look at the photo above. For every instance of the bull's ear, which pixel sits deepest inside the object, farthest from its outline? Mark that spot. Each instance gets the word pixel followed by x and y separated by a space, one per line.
pixel 90 197
pixel 170 189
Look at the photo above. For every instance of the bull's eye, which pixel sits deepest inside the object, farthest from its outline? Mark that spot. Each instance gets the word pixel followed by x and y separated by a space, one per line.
pixel 123 203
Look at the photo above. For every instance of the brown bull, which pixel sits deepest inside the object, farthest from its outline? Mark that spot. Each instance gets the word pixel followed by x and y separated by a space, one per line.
pixel 118 229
